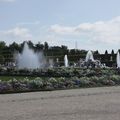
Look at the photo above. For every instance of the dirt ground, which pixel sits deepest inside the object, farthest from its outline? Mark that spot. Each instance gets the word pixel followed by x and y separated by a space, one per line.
pixel 77 104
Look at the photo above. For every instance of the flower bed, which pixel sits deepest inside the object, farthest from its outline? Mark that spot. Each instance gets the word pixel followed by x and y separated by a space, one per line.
pixel 56 78
pixel 54 83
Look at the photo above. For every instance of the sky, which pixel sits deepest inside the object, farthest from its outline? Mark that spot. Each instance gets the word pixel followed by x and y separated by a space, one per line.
pixel 80 24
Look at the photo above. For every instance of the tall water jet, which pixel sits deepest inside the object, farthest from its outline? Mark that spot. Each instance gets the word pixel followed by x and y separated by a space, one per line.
pixel 89 56
pixel 51 63
pixel 66 61
pixel 28 59
pixel 118 59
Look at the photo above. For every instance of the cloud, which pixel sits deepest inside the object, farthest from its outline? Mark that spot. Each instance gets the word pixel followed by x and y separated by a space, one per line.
pixel 7 0
pixel 97 32
pixel 62 29
pixel 29 23
pixel 16 33
pixel 99 35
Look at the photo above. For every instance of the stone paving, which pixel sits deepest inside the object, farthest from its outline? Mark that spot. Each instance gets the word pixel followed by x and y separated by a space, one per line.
pixel 77 104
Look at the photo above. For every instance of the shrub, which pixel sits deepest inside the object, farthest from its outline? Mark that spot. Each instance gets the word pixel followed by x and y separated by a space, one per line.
pixel 5 86
pixel 84 82
pixel 37 83
pixel 116 79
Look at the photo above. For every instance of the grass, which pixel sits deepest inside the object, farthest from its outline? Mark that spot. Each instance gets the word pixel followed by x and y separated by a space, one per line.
pixel 6 78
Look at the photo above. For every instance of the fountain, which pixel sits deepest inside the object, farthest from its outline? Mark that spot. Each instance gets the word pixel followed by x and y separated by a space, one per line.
pixel 28 59
pixel 118 59
pixel 89 56
pixel 51 63
pixel 66 61
pixel 31 60
pixel 90 62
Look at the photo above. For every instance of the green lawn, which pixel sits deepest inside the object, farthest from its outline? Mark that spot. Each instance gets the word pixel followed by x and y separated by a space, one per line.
pixel 6 78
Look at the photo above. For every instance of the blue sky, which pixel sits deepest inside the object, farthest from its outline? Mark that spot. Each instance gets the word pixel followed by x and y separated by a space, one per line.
pixel 93 24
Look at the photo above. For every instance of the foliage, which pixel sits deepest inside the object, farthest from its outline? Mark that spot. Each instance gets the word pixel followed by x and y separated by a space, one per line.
pixel 57 78
pixel 52 83
pixel 60 72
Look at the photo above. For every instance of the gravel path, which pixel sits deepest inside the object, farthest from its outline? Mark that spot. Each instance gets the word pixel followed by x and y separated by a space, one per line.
pixel 78 104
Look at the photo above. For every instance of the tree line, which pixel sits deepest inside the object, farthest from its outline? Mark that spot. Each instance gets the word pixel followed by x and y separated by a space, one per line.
pixel 7 51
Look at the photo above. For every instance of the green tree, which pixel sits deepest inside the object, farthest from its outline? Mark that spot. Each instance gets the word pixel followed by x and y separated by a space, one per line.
pixel 64 47
pixel 119 50
pixel 30 44
pixel 112 52
pixel 96 52
pixel 72 52
pixel 106 52
pixel 39 46
pixel 14 47
pixel 2 45
pixel 46 46
pixel 2 59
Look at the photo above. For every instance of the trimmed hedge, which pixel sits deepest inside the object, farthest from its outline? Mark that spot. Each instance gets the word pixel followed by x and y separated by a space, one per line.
pixel 60 72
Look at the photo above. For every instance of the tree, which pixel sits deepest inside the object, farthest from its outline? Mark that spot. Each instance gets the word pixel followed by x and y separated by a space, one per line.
pixel 106 52
pixel 119 50
pixel 64 47
pixel 2 44
pixel 2 59
pixel 106 56
pixel 96 52
pixel 30 44
pixel 14 47
pixel 72 51
pixel 112 52
pixel 84 52
pixel 39 46
pixel 46 46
